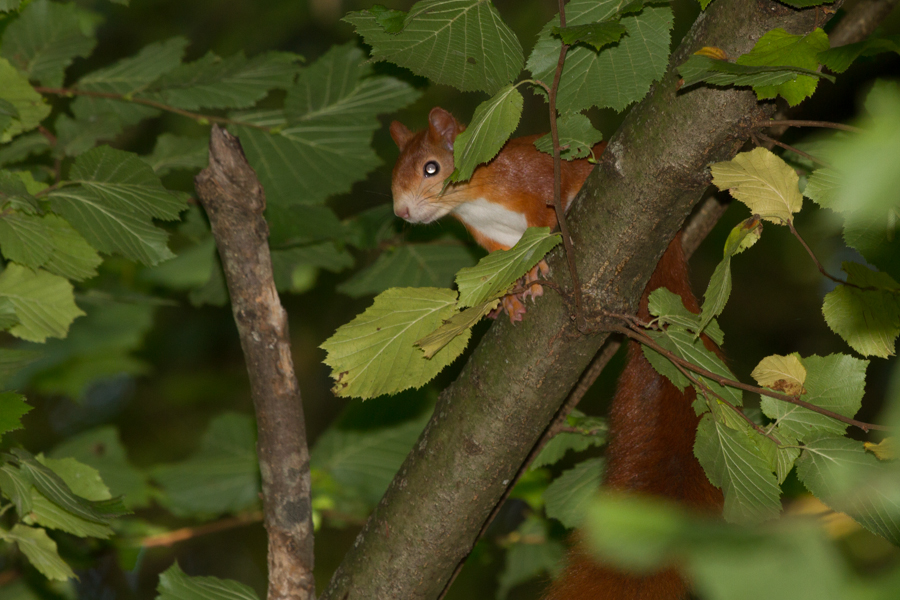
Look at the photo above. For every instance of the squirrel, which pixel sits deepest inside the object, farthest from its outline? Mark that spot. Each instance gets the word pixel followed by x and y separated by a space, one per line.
pixel 651 422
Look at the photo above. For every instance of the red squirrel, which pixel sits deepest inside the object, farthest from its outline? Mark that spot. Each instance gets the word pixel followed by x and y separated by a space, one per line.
pixel 651 423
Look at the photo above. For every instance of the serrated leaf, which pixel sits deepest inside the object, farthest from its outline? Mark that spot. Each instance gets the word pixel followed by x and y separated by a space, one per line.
pixel 12 408
pixel 112 199
pixel 822 187
pixel 376 354
pixel 744 235
pixel 617 75
pixel 663 365
pixel 44 303
pixel 835 382
pixel 785 456
pixel 232 82
pixel 703 68
pixel 16 485
pixel 391 20
pixel 577 137
pixel 71 256
pixel 867 319
pixel 23 147
pixel 46 38
pixel 365 461
pixel 77 136
pixel 717 293
pixel 23 239
pixel 463 43
pixel 221 477
pixel 29 105
pixel 568 497
pixel 562 443
pixel 455 326
pixel 174 584
pixel 321 143
pixel 777 48
pixel 598 35
pixel 784 374
pixel 133 74
pixel 14 361
pixel 41 551
pixel 303 224
pixel 492 124
pixel 173 152
pixel 839 59
pixel 839 472
pixel 670 309
pixel 494 273
pixel 410 265
pixel 886 449
pixel 101 449
pixel 762 181
pixel 735 464
pixel 14 193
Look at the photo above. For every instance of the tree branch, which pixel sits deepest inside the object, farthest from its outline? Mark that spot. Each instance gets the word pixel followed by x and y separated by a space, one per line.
pixel 487 422
pixel 234 201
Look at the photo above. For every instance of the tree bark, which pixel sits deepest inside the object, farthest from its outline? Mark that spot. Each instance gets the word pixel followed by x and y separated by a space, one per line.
pixel 234 201
pixel 484 425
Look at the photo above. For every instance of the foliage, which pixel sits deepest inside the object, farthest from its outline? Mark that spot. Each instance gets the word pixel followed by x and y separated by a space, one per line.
pixel 98 242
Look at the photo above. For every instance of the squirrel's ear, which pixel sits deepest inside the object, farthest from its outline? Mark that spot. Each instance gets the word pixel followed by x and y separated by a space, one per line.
pixel 400 134
pixel 443 127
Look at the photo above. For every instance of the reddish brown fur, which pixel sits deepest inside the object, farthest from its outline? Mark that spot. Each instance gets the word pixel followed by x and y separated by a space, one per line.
pixel 651 450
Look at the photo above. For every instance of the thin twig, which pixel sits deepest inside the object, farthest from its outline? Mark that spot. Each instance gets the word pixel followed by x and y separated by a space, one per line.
pixel 580 322
pixel 170 538
pixel 816 260
pixel 805 123
pixel 636 335
pixel 781 144
pixel 150 103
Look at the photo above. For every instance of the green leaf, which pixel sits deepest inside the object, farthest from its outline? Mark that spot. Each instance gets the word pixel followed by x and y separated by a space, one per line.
pixel 321 143
pixel 699 68
pixel 835 382
pixel 568 497
pixel 173 152
pixel 840 472
pixel 780 48
pixel 867 319
pixel 23 239
pixel 390 20
pixel 12 409
pixel 744 235
pixel 303 224
pixel 670 309
pixel 44 303
pixel 839 59
pixel 822 187
pixel 617 75
pixel 492 124
pixel 175 585
pixel 46 38
pixel 77 136
pixel 17 486
pixel 410 265
pixel 494 273
pixel 30 106
pixel 376 354
pixel 563 442
pixel 221 477
pixel 533 556
pixel 14 361
pixel 598 35
pixel 23 147
pixel 101 449
pixel 71 256
pixel 40 550
pixel 232 82
pixel 762 181
pixel 290 265
pixel 365 461
pixel 114 197
pixel 733 462
pixel 458 324
pixel 577 137
pixel 463 43
pixel 717 293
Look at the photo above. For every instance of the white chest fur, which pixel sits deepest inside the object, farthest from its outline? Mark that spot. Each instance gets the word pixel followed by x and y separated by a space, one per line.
pixel 493 221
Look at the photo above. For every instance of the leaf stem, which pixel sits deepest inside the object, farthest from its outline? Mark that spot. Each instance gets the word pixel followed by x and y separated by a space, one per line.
pixel 151 103
pixel 761 136
pixel 637 335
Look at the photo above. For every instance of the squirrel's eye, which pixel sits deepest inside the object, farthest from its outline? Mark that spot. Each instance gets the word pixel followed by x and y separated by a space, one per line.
pixel 431 168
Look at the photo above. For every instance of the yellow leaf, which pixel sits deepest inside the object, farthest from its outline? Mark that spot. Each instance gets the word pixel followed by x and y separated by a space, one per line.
pixel 762 181
pixel 712 52
pixel 886 449
pixel 781 373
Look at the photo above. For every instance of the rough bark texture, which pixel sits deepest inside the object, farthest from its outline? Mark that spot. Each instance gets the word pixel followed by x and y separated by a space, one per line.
pixel 234 201
pixel 485 423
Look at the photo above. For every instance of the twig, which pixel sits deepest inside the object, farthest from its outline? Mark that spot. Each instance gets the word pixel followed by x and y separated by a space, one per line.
pixel 636 335
pixel 816 260
pixel 805 123
pixel 580 322
pixel 781 144
pixel 150 103
pixel 234 201
pixel 170 538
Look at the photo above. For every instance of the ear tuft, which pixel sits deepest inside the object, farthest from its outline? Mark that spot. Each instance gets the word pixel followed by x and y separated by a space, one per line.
pixel 400 134
pixel 443 127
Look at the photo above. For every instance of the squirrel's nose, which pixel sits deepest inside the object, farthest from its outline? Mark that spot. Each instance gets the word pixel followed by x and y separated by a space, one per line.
pixel 402 212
